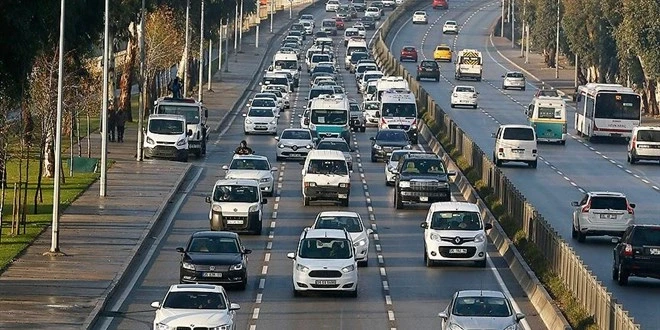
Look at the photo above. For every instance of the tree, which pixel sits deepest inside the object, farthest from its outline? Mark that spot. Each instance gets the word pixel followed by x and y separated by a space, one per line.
pixel 163 40
pixel 543 28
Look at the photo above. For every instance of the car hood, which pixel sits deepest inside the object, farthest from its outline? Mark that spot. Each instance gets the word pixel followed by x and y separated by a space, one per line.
pixel 423 177
pixel 392 143
pixel 298 143
pixel 192 317
pixel 247 174
pixel 213 258
pixel 329 264
pixel 482 322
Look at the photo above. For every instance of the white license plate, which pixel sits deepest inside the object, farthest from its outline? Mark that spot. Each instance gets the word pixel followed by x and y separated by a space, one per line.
pixel 458 251
pixel 295 155
pixel 655 252
pixel 234 222
pixel 326 282
pixel 517 151
pixel 212 275
pixel 608 216
pixel 423 199
pixel 342 196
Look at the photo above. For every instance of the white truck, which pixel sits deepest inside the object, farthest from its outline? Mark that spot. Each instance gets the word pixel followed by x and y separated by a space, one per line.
pixel 469 64
pixel 167 137
pixel 386 83
pixel 288 62
pixel 195 114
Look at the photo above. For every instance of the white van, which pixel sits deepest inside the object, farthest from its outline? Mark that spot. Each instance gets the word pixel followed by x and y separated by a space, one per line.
pixel 166 136
pixel 236 205
pixel 515 143
pixel 644 144
pixel 325 176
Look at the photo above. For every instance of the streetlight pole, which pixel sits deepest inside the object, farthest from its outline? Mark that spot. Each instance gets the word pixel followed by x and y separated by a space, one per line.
pixel 513 23
pixel 236 30
pixel 185 49
pixel 557 46
pixel 226 27
pixel 271 14
pixel 200 83
pixel 290 9
pixel 142 89
pixel 240 31
pixel 210 75
pixel 55 238
pixel 576 71
pixel 104 124
pixel 522 34
pixel 502 26
pixel 220 45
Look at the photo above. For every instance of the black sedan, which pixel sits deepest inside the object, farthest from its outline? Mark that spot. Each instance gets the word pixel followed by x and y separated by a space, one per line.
pixel 214 257
pixel 368 22
pixel 386 141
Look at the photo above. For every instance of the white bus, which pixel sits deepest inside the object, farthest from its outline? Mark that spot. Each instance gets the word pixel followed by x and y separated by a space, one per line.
pixel 398 109
pixel 607 110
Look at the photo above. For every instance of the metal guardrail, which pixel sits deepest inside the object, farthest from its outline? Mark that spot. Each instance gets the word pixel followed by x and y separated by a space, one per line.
pixel 563 261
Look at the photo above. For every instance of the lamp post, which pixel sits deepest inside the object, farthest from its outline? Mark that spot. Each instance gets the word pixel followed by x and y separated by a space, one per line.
pixel 502 26
pixel 271 14
pixel 104 117
pixel 240 31
pixel 210 73
pixel 142 89
pixel 200 82
pixel 513 23
pixel 557 46
pixel 186 46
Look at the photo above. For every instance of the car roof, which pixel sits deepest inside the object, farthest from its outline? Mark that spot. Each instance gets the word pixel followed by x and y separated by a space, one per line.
pixel 605 194
pixel 326 155
pixel 454 206
pixel 196 288
pixel 648 128
pixel 326 233
pixel 213 233
pixel 236 156
pixel 480 293
pixel 237 182
pixel 338 214
pixel 333 139
pixel 421 155
pixel 515 126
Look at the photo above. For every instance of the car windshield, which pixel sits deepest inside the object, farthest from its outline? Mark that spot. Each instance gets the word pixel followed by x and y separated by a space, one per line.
pixel 481 307
pixel 327 166
pixel 429 64
pixel 260 112
pixel 236 194
pixel 514 75
pixel 608 203
pixel 194 300
pixel 372 76
pixel 329 117
pixel 648 136
pixel 267 96
pixel 391 136
pixel 296 135
pixel 190 112
pixel 355 108
pixel 249 164
pixel 275 81
pixel 455 220
pixel 323 68
pixel 367 19
pixel 371 106
pixel 464 89
pixel 397 155
pixel 166 126
pixel 441 48
pixel 325 248
pixel 547 92
pixel 423 166
pixel 333 145
pixel 518 134
pixel 288 64
pixel 213 245
pixel 646 236
pixel 364 68
pixel 409 49
pixel 350 223
pixel 327 23
pixel 399 110
pixel 267 103
pixel 277 92
pixel 320 58
pixel 356 56
pixel 307 17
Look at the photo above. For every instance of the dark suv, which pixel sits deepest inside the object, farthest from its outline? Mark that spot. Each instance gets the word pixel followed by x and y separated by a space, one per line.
pixel 421 178
pixel 637 253
pixel 428 69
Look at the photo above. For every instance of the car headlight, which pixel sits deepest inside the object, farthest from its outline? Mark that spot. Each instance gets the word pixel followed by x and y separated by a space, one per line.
pixel 222 327
pixel 479 238
pixel 253 208
pixel 435 237
pixel 413 127
pixel 273 122
pixel 236 267
pixel 181 142
pixel 309 146
pixel 216 208
pixel 377 147
pixel 390 168
pixel 248 121
pixel 188 266
pixel 361 242
pixel 408 147
pixel 302 268
pixel 163 326
pixel 454 326
pixel 348 269
pixel 404 184
pixel 150 140
pixel 264 180
pixel 344 185
pixel 281 146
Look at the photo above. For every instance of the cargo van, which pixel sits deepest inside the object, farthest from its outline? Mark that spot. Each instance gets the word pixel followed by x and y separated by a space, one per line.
pixel 326 177
pixel 515 143
pixel 166 137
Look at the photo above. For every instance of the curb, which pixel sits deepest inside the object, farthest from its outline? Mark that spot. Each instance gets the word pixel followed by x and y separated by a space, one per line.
pixel 93 316
pixel 538 296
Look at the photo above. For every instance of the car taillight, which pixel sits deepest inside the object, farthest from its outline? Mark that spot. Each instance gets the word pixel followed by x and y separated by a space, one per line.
pixel 634 142
pixel 500 150
pixel 630 209
pixel 586 208
pixel 627 250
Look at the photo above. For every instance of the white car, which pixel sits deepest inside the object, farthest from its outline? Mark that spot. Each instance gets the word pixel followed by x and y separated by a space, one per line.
pixel 398 2
pixel 304 119
pixel 362 31
pixel 464 95
pixel 352 222
pixel 261 118
pixel 371 112
pixel 393 163
pixel 480 309
pixel 644 144
pixel 389 3
pixel 373 12
pixel 308 26
pixel 450 27
pixel 419 17
pixel 204 305
pixel 252 167
pixel 515 143
pixel 332 5
pixel 368 76
pixel 294 143
pixel 601 213
pixel 324 261
pixel 282 95
pixel 337 144
pixel 307 18
pixel 454 231
pixel 271 95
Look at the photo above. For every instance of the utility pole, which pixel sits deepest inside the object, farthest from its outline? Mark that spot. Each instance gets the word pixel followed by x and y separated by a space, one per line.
pixel 272 13
pixel 513 23
pixel 522 34
pixel 577 65
pixel 220 45
pixel 527 43
pixel 142 88
pixel 200 83
pixel 502 26
pixel 240 31
pixel 210 75
pixel 185 50
pixel 557 47
pixel 236 30
pixel 55 239
pixel 227 46
pixel 104 117
pixel 290 9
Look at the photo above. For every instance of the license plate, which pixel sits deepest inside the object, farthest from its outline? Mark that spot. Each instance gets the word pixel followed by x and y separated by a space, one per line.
pixel 517 151
pixel 423 199
pixel 212 275
pixel 655 252
pixel 234 222
pixel 295 155
pixel 458 251
pixel 326 282
pixel 342 196
pixel 608 216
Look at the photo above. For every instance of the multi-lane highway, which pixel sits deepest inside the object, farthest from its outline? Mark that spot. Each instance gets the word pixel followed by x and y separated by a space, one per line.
pixel 564 172
pixel 396 290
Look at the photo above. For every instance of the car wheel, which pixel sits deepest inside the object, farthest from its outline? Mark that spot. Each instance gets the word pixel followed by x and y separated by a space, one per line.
pixel 581 237
pixel 533 164
pixel 243 285
pixel 437 79
pixel 278 158
pixel 363 263
pixel 632 159
pixel 503 87
pixel 363 129
pixel 574 232
pixel 296 293
pixel 562 142
pixel 374 159
pixel 417 78
pixel 452 105
pixel 344 202
pixel 428 262
pixel 498 162
pixel 622 276
pixel 306 201
pixel 522 89
pixel 354 293
pixel 615 272
pixel 474 106
pixel 400 59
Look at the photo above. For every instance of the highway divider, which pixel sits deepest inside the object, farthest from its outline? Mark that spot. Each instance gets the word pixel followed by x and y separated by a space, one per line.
pixel 590 293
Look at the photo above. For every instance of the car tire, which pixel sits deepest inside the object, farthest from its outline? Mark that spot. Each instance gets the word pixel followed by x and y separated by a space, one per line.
pixel 504 87
pixel 615 272
pixel 344 202
pixel 354 293
pixel 437 79
pixel 574 232
pixel 522 89
pixel 374 159
pixel 278 158
pixel 632 159
pixel 428 262
pixel 622 277
pixel 296 293
pixel 417 78
pixel 562 142
pixel 363 129
pixel 363 263
pixel 581 238
pixel 533 164
pixel 306 201
pixel 243 285
pixel 452 105
pixel 497 162
pixel 474 106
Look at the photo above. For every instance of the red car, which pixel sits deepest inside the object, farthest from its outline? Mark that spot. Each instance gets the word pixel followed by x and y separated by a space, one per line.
pixel 339 23
pixel 408 53
pixel 440 4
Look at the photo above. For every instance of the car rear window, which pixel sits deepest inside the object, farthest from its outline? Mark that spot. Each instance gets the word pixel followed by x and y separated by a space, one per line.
pixel 443 48
pixel 609 203
pixel 646 236
pixel 648 136
pixel 408 49
pixel 429 64
pixel 518 133
pixel 465 89
pixel 514 75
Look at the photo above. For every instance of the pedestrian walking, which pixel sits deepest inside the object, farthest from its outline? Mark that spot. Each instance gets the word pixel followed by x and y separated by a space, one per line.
pixel 175 87
pixel 112 125
pixel 121 125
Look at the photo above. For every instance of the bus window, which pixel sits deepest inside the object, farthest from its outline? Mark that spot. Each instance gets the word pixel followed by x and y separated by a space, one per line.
pixel 618 106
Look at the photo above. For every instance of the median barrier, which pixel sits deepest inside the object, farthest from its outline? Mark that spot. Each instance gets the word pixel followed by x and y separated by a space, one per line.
pixel 562 260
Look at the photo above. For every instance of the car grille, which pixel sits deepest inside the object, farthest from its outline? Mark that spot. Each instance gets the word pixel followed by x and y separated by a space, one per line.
pixel 216 268
pixel 235 218
pixel 457 240
pixel 444 251
pixel 390 149
pixel 325 273
pixel 403 127
pixel 324 286
pixel 165 143
pixel 425 185
pixel 191 328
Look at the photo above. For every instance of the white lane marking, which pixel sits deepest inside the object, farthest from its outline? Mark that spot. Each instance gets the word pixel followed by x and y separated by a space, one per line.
pixel 255 313
pixel 505 290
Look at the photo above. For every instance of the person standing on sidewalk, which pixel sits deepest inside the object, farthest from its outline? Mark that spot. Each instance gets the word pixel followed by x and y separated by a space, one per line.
pixel 112 124
pixel 121 125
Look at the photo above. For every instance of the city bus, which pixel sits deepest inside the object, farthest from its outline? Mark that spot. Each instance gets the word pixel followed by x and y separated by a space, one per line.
pixel 607 110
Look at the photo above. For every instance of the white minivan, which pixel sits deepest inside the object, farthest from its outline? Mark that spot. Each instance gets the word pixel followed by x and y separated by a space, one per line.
pixel 515 143
pixel 166 137
pixel 644 144
pixel 326 177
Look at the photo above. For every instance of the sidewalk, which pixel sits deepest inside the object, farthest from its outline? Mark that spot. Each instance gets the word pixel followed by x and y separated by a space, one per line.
pixel 101 236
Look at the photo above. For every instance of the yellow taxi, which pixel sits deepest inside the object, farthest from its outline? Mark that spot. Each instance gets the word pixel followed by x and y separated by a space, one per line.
pixel 442 53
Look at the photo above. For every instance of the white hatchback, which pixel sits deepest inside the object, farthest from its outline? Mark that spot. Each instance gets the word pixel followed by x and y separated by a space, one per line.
pixel 332 5
pixel 464 95
pixel 261 118
pixel 454 231
pixel 294 143
pixel 420 17
pixel 450 27
pixel 373 12
pixel 252 167
pixel 515 143
pixel 324 261
pixel 352 222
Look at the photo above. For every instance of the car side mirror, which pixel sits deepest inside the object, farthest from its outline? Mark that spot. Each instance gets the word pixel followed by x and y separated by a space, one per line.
pixel 443 315
pixel 616 240
pixel 234 307
pixel 247 251
pixel 189 133
pixel 519 316
pixel 575 204
pixel 277 138
pixel 273 169
pixel 372 138
pixel 493 135
pixel 155 304
pixel 180 250
pixel 245 115
pixel 632 205
pixel 208 199
pixel 264 201
pixel 488 226
pixel 370 231
pixel 291 255
pixel 277 116
pixel 225 167
pixel 306 98
pixel 424 225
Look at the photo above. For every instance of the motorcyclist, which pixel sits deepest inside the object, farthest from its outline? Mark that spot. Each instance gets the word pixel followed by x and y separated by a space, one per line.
pixel 243 149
